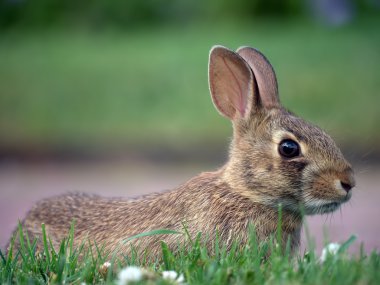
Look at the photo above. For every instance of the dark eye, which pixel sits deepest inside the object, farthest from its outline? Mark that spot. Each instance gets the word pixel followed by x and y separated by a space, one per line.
pixel 289 148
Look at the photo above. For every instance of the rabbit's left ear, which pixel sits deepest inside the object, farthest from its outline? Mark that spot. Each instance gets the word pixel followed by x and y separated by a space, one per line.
pixel 265 77
pixel 231 83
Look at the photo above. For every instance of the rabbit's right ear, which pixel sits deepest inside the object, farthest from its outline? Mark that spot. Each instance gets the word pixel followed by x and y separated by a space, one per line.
pixel 264 75
pixel 231 83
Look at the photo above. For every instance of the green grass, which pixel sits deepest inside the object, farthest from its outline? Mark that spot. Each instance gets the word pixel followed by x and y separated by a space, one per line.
pixel 248 264
pixel 150 85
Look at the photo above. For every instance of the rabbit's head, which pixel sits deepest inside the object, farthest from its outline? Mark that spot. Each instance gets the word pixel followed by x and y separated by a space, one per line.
pixel 276 157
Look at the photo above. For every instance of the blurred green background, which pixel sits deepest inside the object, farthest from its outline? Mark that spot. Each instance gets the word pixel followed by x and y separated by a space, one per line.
pixel 111 75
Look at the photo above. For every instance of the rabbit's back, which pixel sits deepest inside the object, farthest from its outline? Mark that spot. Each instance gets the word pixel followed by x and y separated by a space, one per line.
pixel 204 204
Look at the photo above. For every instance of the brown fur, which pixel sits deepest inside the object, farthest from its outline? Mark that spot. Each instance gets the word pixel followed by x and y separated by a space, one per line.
pixel 204 204
pixel 247 189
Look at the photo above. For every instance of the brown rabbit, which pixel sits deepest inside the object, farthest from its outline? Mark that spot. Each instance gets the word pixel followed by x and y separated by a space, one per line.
pixel 275 158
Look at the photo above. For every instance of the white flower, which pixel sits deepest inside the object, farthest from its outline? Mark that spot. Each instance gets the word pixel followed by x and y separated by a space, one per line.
pixel 103 269
pixel 130 274
pixel 173 276
pixel 330 249
pixel 106 264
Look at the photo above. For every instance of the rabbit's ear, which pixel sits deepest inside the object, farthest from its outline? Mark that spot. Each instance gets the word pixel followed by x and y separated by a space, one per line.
pixel 231 83
pixel 264 75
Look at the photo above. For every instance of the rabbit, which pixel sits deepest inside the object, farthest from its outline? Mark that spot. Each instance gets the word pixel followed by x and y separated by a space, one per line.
pixel 275 158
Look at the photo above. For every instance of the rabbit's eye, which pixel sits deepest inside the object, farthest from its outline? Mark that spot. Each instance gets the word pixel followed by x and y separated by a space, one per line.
pixel 289 148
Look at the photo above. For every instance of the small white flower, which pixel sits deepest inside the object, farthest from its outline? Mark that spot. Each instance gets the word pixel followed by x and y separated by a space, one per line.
pixel 171 275
pixel 106 264
pixel 330 249
pixel 103 269
pixel 129 274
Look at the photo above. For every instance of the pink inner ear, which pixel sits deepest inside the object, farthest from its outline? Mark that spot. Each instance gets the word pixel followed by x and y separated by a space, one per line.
pixel 231 82
pixel 264 75
pixel 237 96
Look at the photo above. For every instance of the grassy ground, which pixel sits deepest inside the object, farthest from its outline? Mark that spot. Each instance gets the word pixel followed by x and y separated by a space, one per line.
pixel 74 86
pixel 253 264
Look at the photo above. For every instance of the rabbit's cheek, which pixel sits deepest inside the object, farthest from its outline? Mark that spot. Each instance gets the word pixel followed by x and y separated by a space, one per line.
pixel 327 187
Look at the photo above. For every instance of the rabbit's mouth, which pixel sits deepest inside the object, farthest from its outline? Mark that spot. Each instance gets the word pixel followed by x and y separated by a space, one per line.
pixel 330 207
pixel 321 208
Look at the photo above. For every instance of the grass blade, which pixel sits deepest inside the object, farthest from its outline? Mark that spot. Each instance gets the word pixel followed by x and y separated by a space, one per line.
pixel 71 237
pixel 46 245
pixel 3 258
pixel 166 256
pixel 152 233
pixel 347 244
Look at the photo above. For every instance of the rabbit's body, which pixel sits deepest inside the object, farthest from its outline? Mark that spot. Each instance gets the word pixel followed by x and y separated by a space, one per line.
pixel 204 204
pixel 275 158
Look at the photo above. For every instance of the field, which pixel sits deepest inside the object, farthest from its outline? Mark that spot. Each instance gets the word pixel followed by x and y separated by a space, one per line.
pixel 79 87
pixel 252 264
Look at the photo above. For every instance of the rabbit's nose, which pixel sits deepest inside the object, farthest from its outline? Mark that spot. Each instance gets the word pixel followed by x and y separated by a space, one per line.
pixel 347 181
pixel 346 186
